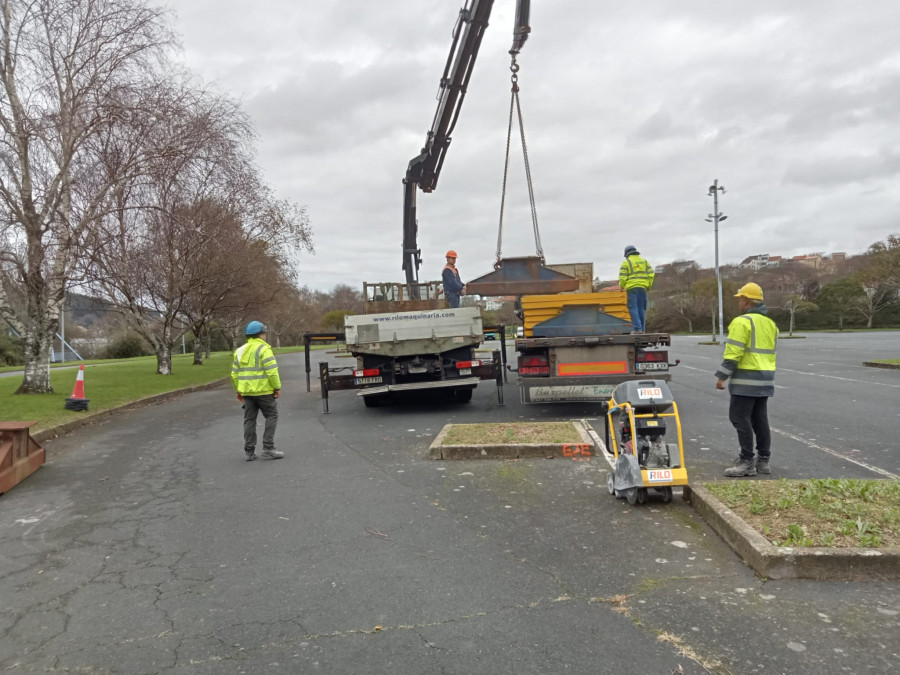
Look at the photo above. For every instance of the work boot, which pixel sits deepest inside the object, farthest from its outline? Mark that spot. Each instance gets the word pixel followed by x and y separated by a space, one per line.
pixel 762 465
pixel 250 456
pixel 272 454
pixel 742 467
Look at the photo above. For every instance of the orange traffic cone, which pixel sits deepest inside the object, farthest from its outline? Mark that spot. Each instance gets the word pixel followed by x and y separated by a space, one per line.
pixel 77 401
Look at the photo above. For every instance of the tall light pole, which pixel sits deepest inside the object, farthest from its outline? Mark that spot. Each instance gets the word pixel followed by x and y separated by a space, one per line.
pixel 715 217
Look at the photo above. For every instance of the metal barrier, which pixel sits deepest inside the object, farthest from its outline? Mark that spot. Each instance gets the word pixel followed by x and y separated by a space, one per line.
pixel 318 338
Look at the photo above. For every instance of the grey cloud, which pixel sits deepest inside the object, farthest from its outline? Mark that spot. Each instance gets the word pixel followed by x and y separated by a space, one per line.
pixel 631 110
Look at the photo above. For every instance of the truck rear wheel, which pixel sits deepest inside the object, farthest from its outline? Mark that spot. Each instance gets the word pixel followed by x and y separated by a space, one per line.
pixel 463 395
pixel 373 401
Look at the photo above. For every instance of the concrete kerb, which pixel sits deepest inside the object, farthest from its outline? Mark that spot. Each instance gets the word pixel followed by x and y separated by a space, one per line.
pixel 54 432
pixel 775 562
pixel 438 450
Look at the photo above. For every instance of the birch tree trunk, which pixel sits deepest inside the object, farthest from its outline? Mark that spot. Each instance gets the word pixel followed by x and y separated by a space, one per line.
pixel 163 359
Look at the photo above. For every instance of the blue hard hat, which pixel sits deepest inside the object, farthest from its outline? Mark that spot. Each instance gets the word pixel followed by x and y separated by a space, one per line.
pixel 255 327
pixel 630 250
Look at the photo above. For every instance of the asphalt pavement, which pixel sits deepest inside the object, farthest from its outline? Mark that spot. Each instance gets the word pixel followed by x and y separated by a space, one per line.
pixel 147 545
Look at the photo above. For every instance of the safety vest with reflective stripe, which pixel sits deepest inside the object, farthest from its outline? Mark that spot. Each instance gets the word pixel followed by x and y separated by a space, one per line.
pixel 254 371
pixel 749 361
pixel 635 272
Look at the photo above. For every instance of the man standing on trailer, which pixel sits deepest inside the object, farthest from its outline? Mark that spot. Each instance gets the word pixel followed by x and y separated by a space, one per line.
pixel 749 364
pixel 636 278
pixel 453 285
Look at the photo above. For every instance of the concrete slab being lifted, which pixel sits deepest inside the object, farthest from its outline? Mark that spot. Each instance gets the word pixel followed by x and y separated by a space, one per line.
pixel 522 276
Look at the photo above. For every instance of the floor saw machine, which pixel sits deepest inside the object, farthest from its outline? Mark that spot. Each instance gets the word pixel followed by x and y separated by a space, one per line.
pixel 643 441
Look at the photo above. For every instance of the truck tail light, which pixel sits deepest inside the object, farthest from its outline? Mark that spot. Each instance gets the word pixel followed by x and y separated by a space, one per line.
pixel 368 372
pixel 467 364
pixel 534 365
pixel 652 357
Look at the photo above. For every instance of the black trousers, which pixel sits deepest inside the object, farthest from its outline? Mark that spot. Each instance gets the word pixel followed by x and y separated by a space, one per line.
pixel 749 416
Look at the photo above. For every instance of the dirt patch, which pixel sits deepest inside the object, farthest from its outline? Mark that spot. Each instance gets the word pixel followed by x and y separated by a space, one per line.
pixel 837 513
pixel 511 433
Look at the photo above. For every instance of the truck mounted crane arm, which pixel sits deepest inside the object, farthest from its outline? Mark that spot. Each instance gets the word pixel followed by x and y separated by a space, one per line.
pixel 424 169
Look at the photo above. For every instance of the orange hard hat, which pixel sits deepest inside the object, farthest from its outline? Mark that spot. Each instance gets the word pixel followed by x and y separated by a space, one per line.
pixel 451 254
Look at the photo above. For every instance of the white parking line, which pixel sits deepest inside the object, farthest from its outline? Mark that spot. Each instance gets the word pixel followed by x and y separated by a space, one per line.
pixel 810 444
pixel 702 370
pixel 844 365
pixel 844 379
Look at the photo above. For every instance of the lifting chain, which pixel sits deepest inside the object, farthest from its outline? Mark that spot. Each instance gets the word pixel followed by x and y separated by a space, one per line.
pixel 515 107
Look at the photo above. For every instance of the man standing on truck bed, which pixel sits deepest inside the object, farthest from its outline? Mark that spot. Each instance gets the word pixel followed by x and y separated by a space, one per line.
pixel 749 364
pixel 636 278
pixel 453 285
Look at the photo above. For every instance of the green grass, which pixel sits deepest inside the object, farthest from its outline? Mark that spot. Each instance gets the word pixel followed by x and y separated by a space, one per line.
pixel 895 362
pixel 512 433
pixel 831 512
pixel 111 383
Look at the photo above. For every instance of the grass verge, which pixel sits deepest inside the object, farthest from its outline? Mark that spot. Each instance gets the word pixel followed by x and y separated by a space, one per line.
pixel 108 385
pixel 890 362
pixel 512 433
pixel 831 512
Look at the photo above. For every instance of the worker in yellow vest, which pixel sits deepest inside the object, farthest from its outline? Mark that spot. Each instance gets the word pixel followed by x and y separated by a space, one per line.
pixel 636 278
pixel 749 367
pixel 254 375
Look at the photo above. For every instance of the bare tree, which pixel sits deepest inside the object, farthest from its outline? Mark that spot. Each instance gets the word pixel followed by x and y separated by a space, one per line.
pixel 879 278
pixel 67 68
pixel 680 306
pixel 197 229
pixel 795 304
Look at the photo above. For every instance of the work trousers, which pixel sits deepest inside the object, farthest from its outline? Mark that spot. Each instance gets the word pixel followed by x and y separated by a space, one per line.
pixel 637 307
pixel 749 416
pixel 253 405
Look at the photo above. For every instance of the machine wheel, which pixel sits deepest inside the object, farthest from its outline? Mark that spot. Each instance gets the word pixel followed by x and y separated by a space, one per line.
pixel 611 483
pixel 667 494
pixel 463 395
pixel 631 494
pixel 372 401
pixel 642 495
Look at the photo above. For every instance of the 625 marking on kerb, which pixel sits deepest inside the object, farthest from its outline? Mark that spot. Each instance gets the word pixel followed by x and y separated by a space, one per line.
pixel 580 452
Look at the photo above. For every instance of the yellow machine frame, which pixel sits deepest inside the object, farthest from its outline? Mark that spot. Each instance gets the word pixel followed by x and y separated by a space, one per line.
pixel 678 475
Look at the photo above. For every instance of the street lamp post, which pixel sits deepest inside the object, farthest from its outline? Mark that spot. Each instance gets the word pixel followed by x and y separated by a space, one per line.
pixel 715 217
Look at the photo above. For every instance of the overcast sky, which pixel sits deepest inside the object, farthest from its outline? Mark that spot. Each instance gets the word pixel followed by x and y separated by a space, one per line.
pixel 631 110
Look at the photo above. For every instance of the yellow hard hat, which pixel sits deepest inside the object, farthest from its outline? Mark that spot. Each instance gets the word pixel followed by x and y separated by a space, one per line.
pixel 750 291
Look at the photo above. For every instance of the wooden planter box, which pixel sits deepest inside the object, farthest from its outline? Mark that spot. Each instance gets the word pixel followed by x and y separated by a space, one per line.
pixel 20 454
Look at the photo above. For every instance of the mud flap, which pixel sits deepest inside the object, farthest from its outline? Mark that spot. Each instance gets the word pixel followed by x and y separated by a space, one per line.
pixel 627 473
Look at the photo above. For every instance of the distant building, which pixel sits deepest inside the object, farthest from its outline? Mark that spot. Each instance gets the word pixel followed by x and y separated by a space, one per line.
pixel 813 260
pixel 676 266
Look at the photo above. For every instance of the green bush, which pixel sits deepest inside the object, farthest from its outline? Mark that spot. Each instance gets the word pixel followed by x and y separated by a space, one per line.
pixel 12 351
pixel 127 346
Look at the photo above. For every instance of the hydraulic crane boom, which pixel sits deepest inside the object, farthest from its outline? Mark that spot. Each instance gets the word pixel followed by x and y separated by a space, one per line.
pixel 424 169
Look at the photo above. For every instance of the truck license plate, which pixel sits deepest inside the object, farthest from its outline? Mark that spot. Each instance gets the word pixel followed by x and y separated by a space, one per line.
pixel 655 365
pixel 465 371
pixel 367 380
